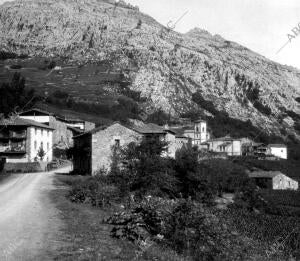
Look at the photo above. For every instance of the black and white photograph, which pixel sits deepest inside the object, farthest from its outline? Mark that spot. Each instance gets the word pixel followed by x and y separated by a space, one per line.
pixel 162 130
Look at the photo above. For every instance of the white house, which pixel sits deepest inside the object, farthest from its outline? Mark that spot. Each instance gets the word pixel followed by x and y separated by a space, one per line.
pixel 21 140
pixel 228 145
pixel 278 150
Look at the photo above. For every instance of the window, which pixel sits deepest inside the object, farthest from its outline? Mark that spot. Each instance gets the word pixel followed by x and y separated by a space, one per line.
pixel 42 145
pixel 35 131
pixel 42 132
pixel 47 133
pixel 48 146
pixel 197 129
pixel 35 144
pixel 203 129
pixel 117 143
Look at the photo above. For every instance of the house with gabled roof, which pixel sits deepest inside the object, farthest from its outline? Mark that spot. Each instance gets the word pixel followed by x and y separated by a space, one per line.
pixel 96 147
pixel 64 128
pixel 20 140
pixel 273 180
pixel 230 146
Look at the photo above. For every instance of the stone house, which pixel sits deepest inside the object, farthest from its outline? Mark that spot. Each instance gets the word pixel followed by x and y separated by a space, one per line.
pixel 64 128
pixel 20 140
pixel 96 146
pixel 273 180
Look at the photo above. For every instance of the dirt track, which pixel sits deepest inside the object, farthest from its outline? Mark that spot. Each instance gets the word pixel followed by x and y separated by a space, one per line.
pixel 29 222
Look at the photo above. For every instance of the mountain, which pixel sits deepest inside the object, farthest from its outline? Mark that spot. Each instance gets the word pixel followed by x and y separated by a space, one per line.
pixel 99 44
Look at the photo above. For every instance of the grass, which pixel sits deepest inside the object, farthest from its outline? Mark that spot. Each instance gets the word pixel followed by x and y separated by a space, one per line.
pixel 4 177
pixel 85 235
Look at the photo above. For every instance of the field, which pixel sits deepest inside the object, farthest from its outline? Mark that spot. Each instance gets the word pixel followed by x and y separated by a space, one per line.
pixel 87 82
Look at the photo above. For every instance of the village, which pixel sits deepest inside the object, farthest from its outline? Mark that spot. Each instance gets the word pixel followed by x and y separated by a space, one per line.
pixel 34 137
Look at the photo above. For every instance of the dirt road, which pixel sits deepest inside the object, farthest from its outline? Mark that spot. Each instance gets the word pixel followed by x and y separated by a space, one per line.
pixel 30 227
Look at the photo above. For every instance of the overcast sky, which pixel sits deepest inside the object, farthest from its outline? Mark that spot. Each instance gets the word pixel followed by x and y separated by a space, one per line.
pixel 261 25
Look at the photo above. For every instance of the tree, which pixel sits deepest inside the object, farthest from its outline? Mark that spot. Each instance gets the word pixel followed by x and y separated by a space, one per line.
pixel 146 171
pixel 41 153
pixel 192 183
pixel 14 96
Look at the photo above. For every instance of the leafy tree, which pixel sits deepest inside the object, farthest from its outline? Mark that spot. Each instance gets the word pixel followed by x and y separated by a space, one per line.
pixel 14 96
pixel 146 170
pixel 191 182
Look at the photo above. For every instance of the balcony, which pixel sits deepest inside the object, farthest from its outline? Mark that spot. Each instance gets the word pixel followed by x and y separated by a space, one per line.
pixel 10 150
pixel 17 134
pixel 4 135
pixel 13 148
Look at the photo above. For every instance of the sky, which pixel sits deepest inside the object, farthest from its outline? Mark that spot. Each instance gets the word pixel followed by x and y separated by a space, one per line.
pixel 261 25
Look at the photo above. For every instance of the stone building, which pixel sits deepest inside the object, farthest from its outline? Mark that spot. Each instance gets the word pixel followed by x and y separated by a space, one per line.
pixel 273 180
pixel 20 141
pixel 96 146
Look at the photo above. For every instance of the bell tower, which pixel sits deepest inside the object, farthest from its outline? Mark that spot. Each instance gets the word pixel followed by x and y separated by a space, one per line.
pixel 200 132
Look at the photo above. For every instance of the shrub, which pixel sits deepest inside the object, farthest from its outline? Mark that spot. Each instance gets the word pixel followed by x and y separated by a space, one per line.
pixel 96 191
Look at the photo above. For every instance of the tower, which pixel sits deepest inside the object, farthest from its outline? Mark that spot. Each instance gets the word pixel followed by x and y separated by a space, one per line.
pixel 200 132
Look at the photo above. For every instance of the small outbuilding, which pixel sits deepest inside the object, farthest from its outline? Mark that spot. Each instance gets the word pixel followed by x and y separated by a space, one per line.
pixel 273 180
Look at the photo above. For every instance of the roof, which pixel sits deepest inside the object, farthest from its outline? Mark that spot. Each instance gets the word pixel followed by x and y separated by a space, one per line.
pixel 226 138
pixel 149 128
pixel 264 174
pixel 199 120
pixel 36 110
pixel 277 145
pixel 69 120
pixel 78 131
pixel 22 122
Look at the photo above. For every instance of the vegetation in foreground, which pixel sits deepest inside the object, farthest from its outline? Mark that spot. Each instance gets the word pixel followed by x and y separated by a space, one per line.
pixel 169 205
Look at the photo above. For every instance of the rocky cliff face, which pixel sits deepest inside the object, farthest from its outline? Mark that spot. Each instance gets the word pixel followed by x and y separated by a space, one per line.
pixel 167 67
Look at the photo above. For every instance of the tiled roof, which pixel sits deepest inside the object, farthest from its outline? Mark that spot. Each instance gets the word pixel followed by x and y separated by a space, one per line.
pixel 22 122
pixel 264 174
pixel 149 128
pixel 36 110
pixel 277 145
pixel 226 138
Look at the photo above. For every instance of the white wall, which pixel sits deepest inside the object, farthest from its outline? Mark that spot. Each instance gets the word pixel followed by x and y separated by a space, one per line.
pixel 279 152
pixel 41 119
pixel 40 135
pixel 282 182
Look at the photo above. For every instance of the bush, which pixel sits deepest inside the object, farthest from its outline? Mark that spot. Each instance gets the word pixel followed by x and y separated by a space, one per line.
pixel 95 190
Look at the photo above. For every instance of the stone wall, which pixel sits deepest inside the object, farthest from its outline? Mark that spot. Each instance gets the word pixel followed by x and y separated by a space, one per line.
pixel 89 126
pixel 103 142
pixel 60 130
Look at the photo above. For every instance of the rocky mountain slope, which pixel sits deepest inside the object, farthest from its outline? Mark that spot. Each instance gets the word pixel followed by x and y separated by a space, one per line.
pixel 167 67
